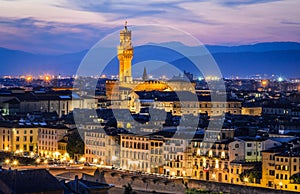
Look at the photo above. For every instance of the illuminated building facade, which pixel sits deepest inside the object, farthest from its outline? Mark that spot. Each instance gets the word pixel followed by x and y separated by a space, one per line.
pixel 135 152
pixel 101 148
pixel 19 139
pixel 281 168
pixel 48 145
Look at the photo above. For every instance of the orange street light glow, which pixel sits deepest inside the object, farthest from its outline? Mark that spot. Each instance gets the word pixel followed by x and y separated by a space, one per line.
pixel 29 78
pixel 264 83
pixel 47 78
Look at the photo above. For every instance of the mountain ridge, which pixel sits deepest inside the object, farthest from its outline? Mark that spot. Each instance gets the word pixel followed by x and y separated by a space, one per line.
pixel 270 58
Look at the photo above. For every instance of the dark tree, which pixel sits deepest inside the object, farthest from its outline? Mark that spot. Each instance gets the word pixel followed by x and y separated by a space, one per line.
pixel 75 144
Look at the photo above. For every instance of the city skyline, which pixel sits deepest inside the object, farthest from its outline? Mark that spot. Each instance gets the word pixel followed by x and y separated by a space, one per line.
pixel 141 132
pixel 70 26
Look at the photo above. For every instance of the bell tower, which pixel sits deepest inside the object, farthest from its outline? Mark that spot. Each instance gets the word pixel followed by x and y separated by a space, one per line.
pixel 125 54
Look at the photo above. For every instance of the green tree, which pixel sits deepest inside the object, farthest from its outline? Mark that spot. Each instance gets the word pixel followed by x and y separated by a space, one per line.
pixel 295 178
pixel 252 175
pixel 75 144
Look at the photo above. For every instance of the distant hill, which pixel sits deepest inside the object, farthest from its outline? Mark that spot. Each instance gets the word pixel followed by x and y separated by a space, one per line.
pixel 264 58
pixel 15 62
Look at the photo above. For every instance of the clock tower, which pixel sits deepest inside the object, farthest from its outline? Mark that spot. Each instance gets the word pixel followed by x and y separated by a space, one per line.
pixel 125 54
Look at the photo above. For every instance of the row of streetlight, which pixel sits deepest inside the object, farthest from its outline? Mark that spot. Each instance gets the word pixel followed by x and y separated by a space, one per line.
pixel 46 78
pixel 14 162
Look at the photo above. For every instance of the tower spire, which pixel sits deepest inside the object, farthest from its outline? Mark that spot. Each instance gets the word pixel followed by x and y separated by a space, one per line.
pixel 145 76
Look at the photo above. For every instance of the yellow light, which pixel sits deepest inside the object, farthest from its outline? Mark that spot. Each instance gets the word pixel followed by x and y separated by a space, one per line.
pixel 82 159
pixel 223 154
pixel 29 78
pixel 264 83
pixel 95 160
pixel 47 78
pixel 46 162
pixel 21 150
pixel 217 163
pixel 31 154
pixel 15 162
pixel 6 148
pixel 38 160
pixel 214 175
pixel 7 161
pixel 210 153
pixel 246 179
pixel 71 161
pixel 56 154
pixel 101 163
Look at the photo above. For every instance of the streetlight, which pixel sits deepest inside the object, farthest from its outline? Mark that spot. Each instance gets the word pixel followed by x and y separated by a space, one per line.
pixel 82 159
pixel 214 176
pixel 264 83
pixel 280 184
pixel 15 162
pixel 7 161
pixel 47 78
pixel 29 78
pixel 38 160
pixel 95 160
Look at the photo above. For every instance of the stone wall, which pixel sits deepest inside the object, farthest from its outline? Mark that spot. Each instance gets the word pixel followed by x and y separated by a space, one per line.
pixel 141 182
pixel 231 188
pixel 138 182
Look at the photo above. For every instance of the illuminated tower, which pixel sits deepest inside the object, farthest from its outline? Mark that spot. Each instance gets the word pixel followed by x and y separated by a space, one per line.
pixel 125 54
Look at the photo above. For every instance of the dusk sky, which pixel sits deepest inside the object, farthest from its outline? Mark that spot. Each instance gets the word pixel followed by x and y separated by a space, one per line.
pixel 64 26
